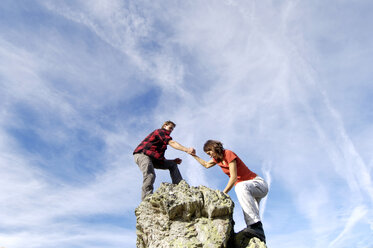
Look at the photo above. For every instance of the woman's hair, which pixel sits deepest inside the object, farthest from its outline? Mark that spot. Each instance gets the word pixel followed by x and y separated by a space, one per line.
pixel 216 147
pixel 168 122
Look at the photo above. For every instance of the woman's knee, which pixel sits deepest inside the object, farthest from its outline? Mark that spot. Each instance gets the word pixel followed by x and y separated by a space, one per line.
pixel 260 189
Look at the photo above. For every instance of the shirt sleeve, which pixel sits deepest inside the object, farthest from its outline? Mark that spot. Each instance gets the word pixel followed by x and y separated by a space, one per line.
pixel 230 156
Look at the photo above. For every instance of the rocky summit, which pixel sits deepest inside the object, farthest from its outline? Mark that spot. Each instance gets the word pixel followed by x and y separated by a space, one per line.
pixel 178 215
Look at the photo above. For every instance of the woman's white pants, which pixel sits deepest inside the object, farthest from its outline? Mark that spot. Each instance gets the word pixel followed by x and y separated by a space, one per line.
pixel 249 194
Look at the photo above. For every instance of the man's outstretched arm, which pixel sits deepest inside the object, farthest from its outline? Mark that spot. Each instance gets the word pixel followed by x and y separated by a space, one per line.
pixel 180 147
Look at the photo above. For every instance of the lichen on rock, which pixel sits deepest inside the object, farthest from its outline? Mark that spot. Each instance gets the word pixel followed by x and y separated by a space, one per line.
pixel 178 215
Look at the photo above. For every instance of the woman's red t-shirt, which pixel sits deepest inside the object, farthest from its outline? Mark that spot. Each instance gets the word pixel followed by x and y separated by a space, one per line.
pixel 243 173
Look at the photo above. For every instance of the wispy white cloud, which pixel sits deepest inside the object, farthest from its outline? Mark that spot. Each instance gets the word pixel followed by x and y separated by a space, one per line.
pixel 34 210
pixel 357 214
pixel 62 235
pixel 127 28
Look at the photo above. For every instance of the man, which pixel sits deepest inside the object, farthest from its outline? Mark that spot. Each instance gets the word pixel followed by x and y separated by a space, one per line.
pixel 150 154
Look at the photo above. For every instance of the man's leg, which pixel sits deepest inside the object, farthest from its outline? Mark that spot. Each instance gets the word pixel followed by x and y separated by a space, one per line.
pixel 146 166
pixel 174 170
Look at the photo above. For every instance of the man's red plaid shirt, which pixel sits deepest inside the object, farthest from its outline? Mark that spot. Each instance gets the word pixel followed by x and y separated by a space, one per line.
pixel 155 144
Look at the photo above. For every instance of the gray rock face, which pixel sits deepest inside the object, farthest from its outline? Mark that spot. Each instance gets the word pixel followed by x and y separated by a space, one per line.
pixel 184 216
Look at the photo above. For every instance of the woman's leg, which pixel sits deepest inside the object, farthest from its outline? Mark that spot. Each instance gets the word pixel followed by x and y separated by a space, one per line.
pixel 249 193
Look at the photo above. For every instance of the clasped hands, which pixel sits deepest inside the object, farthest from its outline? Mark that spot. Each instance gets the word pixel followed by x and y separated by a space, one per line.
pixel 190 151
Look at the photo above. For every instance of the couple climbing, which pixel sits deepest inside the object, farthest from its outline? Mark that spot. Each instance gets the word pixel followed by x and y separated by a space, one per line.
pixel 250 188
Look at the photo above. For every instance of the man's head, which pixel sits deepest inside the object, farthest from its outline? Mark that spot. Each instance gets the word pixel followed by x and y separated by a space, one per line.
pixel 169 125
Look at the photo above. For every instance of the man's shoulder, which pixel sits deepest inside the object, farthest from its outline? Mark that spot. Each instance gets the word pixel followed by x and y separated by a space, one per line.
pixel 155 132
pixel 162 131
pixel 159 134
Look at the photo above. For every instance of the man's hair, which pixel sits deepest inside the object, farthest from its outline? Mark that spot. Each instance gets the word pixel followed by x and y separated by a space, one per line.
pixel 167 123
pixel 216 147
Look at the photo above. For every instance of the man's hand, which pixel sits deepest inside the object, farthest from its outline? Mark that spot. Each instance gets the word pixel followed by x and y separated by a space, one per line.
pixel 178 160
pixel 191 151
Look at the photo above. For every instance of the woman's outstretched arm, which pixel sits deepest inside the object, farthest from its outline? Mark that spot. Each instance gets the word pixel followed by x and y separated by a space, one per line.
pixel 203 162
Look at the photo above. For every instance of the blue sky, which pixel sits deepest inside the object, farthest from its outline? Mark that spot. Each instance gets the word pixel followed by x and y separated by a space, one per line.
pixel 287 85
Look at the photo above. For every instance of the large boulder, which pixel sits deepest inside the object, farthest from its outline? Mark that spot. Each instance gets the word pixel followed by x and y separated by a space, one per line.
pixel 184 216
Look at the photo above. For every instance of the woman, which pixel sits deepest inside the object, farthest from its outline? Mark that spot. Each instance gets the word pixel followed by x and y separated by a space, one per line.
pixel 250 188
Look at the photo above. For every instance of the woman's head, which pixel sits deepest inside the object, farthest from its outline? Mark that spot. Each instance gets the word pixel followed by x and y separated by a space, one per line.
pixel 214 149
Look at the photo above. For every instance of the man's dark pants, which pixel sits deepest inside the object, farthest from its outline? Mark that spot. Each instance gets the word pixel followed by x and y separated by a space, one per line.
pixel 147 165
